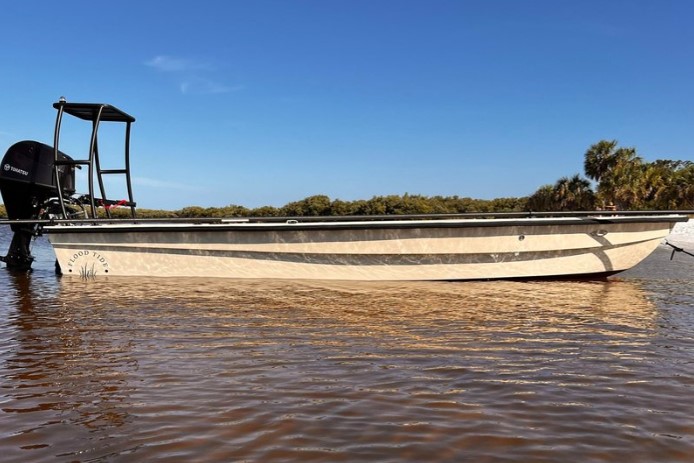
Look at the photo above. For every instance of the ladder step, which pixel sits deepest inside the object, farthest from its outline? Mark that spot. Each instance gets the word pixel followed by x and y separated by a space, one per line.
pixel 114 171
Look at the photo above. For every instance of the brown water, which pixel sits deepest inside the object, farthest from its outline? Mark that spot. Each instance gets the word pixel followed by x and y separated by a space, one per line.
pixel 258 371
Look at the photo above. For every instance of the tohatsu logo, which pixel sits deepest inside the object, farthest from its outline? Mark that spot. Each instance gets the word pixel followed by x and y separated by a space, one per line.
pixel 16 170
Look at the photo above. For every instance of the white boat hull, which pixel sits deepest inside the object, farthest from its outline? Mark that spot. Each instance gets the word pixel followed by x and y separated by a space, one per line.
pixel 461 249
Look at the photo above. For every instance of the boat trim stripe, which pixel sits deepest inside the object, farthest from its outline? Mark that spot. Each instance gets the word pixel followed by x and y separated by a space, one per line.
pixel 361 259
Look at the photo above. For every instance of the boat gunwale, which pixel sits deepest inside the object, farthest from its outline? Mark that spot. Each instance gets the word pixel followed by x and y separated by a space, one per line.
pixel 295 224
pixel 410 220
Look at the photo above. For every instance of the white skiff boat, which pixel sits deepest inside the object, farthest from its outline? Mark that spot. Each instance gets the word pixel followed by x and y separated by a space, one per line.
pixel 417 249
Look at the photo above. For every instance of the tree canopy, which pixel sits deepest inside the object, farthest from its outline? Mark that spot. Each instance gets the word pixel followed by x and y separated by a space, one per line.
pixel 623 181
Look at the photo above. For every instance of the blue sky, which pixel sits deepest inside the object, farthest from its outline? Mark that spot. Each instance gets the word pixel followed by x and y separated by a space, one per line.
pixel 266 102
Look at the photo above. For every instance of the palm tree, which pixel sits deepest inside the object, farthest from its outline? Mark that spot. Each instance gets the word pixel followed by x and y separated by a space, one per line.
pixel 573 194
pixel 567 194
pixel 656 176
pixel 617 171
pixel 686 177
pixel 680 191
pixel 562 194
pixel 582 194
pixel 542 200
pixel 599 159
pixel 626 180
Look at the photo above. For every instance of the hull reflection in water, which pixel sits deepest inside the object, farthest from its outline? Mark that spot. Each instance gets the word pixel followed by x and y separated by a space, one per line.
pixel 243 370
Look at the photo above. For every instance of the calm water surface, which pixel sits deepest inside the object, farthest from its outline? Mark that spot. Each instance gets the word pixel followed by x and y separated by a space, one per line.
pixel 213 370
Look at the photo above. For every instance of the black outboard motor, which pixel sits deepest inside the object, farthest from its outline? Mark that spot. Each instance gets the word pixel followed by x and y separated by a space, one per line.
pixel 27 183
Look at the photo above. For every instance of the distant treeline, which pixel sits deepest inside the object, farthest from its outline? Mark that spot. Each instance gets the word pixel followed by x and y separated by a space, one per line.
pixel 321 205
pixel 623 181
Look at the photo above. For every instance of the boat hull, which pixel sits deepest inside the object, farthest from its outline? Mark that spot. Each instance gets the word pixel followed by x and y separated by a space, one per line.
pixel 465 249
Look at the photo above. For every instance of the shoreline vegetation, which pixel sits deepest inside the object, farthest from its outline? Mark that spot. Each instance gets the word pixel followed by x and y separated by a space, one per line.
pixel 622 180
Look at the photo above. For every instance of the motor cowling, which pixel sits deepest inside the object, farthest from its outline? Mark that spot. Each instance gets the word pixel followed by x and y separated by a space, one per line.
pixel 27 182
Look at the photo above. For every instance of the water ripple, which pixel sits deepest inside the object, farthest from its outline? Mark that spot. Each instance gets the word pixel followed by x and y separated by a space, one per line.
pixel 218 370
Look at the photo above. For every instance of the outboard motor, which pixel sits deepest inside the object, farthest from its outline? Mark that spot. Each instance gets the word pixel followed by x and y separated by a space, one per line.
pixel 27 183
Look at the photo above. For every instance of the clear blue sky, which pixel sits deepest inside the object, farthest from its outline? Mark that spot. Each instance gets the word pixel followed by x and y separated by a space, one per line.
pixel 266 102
